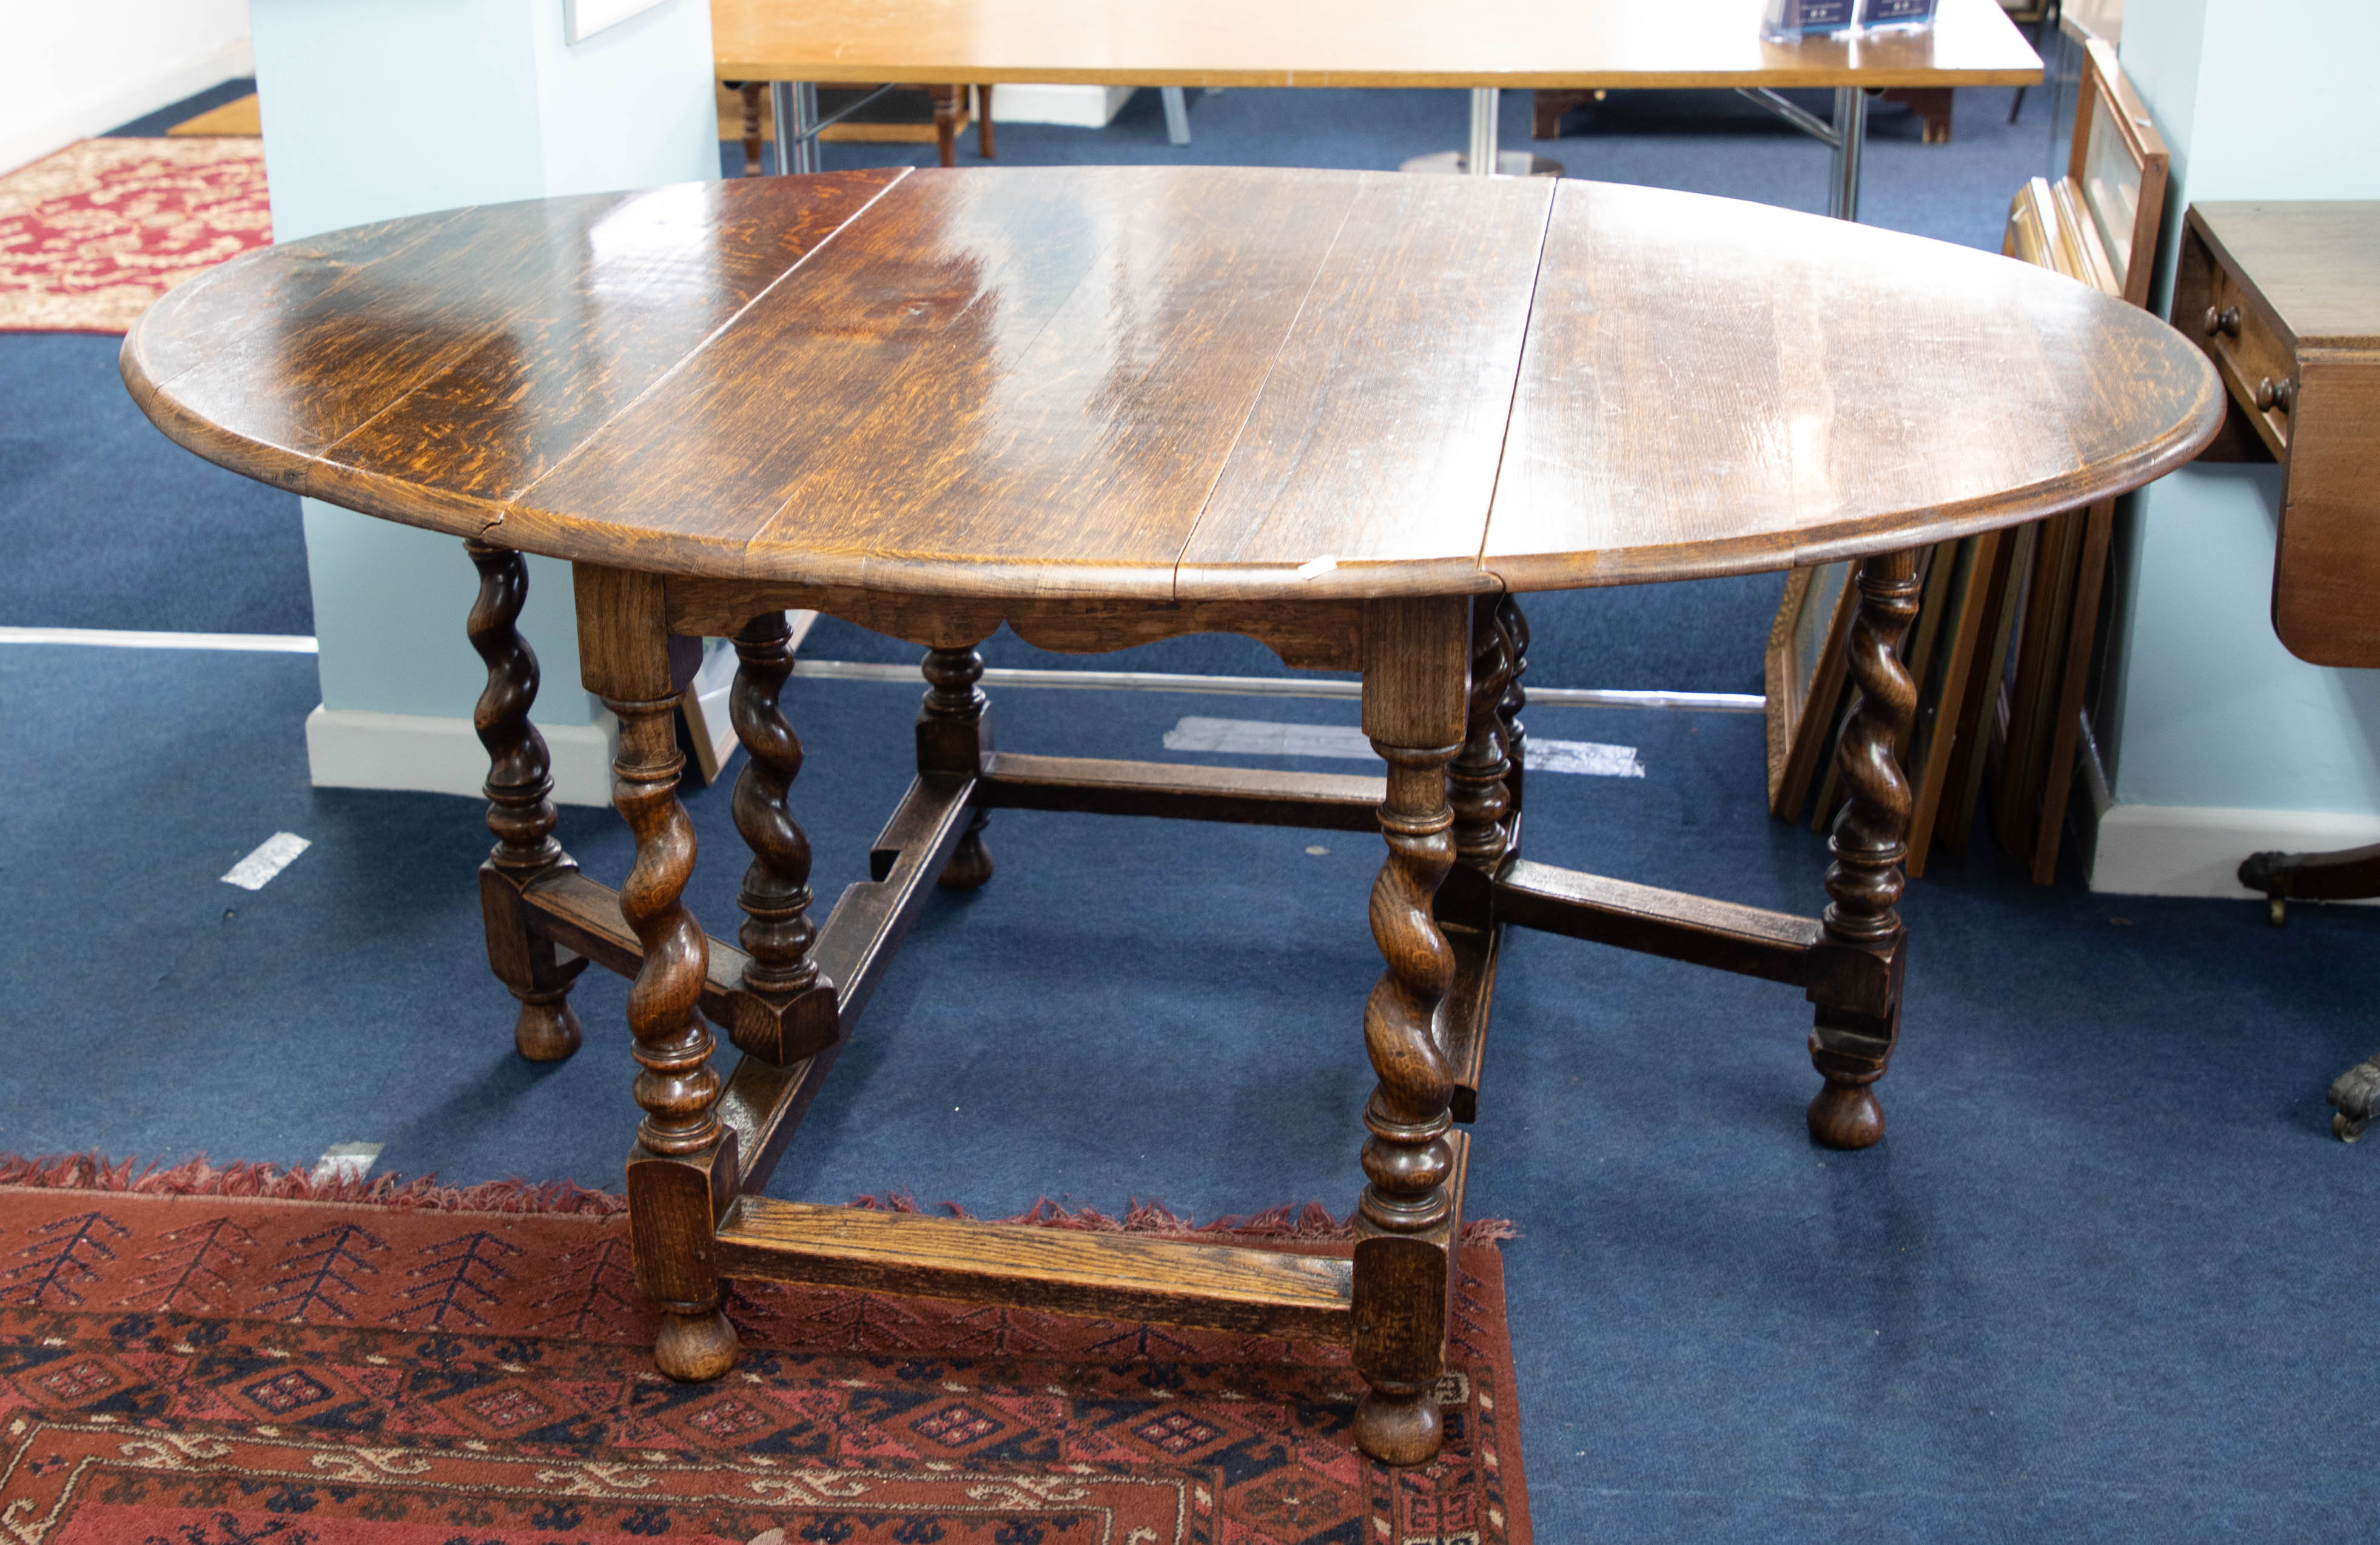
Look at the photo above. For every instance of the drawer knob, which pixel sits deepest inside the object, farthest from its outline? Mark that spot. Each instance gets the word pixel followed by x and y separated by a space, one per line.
pixel 2272 394
pixel 2224 321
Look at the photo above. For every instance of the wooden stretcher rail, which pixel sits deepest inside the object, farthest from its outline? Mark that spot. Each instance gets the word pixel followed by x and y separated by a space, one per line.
pixel 1332 802
pixel 873 916
pixel 1128 1277
pixel 1463 1017
pixel 1748 940
pixel 583 917
pixel 764 1102
pixel 762 1105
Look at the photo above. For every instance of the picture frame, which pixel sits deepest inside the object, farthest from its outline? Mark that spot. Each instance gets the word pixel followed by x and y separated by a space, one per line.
pixel 1805 672
pixel 2098 224
pixel 582 20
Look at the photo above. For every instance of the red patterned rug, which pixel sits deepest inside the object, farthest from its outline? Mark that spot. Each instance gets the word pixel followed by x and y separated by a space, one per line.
pixel 91 236
pixel 196 1359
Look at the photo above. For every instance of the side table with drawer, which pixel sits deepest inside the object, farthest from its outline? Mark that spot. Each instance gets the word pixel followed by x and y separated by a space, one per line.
pixel 2285 300
pixel 2284 297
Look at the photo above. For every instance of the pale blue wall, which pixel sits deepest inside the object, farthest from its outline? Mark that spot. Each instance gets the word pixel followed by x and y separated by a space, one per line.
pixel 2256 101
pixel 379 108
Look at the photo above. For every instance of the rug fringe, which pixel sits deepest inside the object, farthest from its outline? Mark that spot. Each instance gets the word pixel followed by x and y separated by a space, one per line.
pixel 197 1176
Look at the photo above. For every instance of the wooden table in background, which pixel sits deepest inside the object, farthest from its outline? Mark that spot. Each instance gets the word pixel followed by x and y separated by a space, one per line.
pixel 1106 405
pixel 1517 46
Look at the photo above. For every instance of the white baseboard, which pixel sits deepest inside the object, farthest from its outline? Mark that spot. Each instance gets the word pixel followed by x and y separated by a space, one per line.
pixel 114 100
pixel 2151 850
pixel 1074 107
pixel 350 748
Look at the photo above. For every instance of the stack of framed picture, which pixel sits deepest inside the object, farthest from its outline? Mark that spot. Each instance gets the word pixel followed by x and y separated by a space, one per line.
pixel 2008 621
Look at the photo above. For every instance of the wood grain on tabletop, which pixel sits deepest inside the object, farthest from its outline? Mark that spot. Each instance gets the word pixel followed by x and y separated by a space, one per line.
pixel 461 354
pixel 640 288
pixel 1186 383
pixel 1382 420
pixel 1346 42
pixel 1716 387
pixel 1002 380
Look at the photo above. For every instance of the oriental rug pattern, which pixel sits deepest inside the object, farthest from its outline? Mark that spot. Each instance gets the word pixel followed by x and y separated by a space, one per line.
pixel 226 1369
pixel 90 236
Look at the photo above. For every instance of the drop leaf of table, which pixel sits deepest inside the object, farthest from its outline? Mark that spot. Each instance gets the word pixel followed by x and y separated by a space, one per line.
pixel 1112 404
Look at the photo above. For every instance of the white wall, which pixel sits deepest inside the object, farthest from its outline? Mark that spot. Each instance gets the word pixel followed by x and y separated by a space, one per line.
pixel 2222 742
pixel 73 68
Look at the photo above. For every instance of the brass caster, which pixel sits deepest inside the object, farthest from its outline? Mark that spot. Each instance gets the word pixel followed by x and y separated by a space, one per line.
pixel 2346 1131
pixel 2277 910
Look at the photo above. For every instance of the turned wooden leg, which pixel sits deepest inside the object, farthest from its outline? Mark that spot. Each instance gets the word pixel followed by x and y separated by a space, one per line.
pixel 953 734
pixel 520 813
pixel 983 137
pixel 1476 789
pixel 1516 734
pixel 788 1012
pixel 751 92
pixel 2348 874
pixel 1475 782
pixel 682 1173
pixel 946 122
pixel 1863 883
pixel 1406 1224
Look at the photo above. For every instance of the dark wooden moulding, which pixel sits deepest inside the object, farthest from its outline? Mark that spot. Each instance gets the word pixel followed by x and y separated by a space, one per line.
pixel 790 996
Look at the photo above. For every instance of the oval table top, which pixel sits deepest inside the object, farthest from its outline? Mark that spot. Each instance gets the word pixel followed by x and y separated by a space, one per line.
pixel 1169 383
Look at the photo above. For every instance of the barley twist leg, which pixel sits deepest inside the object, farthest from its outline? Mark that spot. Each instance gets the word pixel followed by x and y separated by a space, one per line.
pixel 1865 882
pixel 675 1083
pixel 519 792
pixel 954 731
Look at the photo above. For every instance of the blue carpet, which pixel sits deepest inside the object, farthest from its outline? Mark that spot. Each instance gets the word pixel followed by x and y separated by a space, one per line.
pixel 107 524
pixel 2107 1279
pixel 164 118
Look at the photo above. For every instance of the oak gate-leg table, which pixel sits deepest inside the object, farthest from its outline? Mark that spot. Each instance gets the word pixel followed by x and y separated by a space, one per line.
pixel 1351 414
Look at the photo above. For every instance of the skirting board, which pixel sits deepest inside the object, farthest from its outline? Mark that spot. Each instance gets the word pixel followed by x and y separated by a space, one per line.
pixel 1074 107
pixel 2154 850
pixel 350 748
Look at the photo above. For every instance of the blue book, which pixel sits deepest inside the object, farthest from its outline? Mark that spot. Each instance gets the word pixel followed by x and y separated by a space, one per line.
pixel 1791 20
pixel 1877 14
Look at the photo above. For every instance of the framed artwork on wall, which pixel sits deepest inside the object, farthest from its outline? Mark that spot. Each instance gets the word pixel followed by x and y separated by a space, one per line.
pixel 1806 667
pixel 582 20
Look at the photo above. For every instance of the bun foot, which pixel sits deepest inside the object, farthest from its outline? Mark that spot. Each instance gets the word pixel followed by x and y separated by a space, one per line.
pixel 547 1030
pixel 1846 1116
pixel 694 1348
pixel 1399 1429
pixel 970 863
